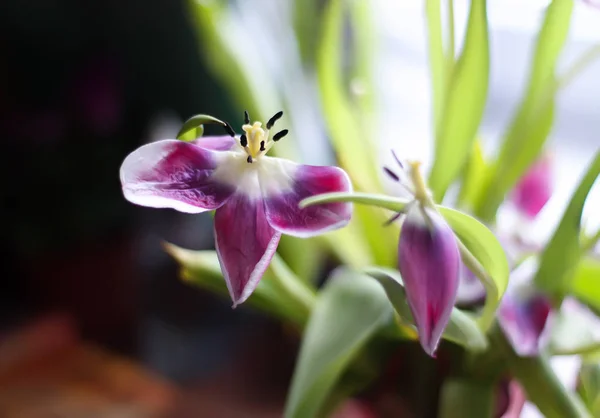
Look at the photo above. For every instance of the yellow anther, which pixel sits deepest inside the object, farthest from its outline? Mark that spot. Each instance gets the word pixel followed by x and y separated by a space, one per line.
pixel 255 135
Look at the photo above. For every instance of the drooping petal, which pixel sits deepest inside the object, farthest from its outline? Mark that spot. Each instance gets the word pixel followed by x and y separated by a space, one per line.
pixel 174 174
pixel 217 143
pixel 523 315
pixel 245 244
pixel 534 189
pixel 284 184
pixel 429 262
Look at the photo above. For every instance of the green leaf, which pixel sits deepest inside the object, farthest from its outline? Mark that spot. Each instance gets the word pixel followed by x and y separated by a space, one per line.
pixel 589 386
pixel 463 398
pixel 476 178
pixel 488 251
pixel 437 63
pixel 202 269
pixel 563 252
pixel 532 123
pixel 586 282
pixel 348 311
pixel 194 127
pixel 463 109
pixel 351 144
pixel 461 329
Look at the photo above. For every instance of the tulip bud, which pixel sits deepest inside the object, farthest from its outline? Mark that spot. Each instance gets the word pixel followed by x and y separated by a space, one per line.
pixel 534 189
pixel 523 316
pixel 429 262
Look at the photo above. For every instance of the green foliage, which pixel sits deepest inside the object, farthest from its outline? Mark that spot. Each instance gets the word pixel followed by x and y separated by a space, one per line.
pixel 279 293
pixel 348 311
pixel 533 120
pixel 464 104
pixel 562 254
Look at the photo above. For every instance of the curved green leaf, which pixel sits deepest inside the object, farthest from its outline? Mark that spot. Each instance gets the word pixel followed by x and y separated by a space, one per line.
pixel 202 269
pixel 563 252
pixel 461 329
pixel 348 311
pixel 488 251
pixel 194 127
pixel 465 102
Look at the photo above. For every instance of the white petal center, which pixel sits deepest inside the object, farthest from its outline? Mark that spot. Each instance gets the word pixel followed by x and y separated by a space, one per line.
pixel 264 177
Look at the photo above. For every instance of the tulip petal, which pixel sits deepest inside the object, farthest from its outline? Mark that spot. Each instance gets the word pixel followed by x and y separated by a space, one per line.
pixel 174 174
pixel 216 143
pixel 429 262
pixel 284 184
pixel 245 244
pixel 523 316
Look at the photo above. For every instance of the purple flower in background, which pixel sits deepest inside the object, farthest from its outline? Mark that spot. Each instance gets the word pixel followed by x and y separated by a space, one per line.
pixel 255 196
pixel 523 316
pixel 534 189
pixel 429 262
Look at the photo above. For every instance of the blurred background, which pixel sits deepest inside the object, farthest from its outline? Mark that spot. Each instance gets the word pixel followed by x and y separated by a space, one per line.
pixel 94 319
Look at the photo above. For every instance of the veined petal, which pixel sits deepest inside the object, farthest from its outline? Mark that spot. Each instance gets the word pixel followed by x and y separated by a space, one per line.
pixel 245 244
pixel 284 184
pixel 216 143
pixel 523 316
pixel 429 262
pixel 174 174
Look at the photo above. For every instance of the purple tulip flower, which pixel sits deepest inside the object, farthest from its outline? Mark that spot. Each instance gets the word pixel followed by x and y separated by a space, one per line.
pixel 429 262
pixel 255 196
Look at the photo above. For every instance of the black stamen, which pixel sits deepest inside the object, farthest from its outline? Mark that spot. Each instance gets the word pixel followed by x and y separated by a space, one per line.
pixel 274 119
pixel 397 160
pixel 393 219
pixel 243 141
pixel 246 117
pixel 262 145
pixel 280 135
pixel 229 129
pixel 390 173
pixel 249 159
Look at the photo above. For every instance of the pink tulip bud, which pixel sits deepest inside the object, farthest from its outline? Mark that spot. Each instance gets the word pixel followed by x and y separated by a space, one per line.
pixel 535 188
pixel 429 262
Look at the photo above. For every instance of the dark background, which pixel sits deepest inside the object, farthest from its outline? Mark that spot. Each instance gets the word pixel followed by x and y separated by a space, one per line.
pixel 82 84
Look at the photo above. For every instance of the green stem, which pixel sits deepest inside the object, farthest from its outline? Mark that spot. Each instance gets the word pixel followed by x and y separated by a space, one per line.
pixel 540 382
pixel 463 398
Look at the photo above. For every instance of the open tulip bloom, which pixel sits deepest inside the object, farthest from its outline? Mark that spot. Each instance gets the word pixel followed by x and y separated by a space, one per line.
pixel 255 196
